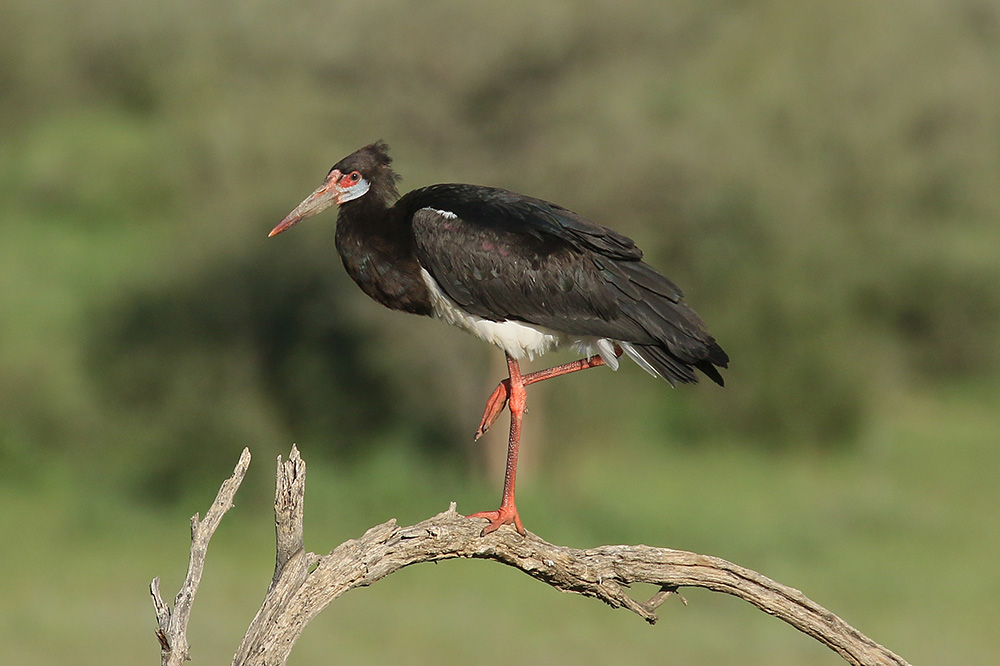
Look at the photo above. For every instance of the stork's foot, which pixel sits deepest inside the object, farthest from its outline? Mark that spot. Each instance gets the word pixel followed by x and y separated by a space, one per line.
pixel 505 515
pixel 494 406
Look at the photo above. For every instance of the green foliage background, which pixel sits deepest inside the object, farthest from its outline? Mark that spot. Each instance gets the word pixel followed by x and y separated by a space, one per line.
pixel 823 180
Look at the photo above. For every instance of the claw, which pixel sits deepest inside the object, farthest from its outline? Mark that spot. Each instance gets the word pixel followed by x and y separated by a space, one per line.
pixel 505 515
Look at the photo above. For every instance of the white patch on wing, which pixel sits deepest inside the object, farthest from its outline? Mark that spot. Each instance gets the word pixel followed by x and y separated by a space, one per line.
pixel 515 337
pixel 446 214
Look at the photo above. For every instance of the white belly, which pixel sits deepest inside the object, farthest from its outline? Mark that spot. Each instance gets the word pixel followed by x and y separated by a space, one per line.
pixel 516 338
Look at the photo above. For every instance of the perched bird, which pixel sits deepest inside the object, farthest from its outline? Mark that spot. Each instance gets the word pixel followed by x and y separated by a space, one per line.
pixel 516 271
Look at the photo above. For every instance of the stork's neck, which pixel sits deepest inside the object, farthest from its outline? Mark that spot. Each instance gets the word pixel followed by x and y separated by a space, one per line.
pixel 369 210
pixel 376 244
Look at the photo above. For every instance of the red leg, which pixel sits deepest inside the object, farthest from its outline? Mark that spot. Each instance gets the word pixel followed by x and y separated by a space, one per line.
pixel 507 513
pixel 496 401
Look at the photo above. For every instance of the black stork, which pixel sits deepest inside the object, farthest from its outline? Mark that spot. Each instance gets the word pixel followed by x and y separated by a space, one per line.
pixel 519 272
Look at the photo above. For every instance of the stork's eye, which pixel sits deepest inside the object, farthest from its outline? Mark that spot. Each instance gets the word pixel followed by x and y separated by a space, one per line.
pixel 350 179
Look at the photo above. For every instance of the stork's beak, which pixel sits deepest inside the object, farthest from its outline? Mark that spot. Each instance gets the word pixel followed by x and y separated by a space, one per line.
pixel 318 201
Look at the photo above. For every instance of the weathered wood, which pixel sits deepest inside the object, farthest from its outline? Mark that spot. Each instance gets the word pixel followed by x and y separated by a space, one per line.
pixel 262 643
pixel 172 625
pixel 305 583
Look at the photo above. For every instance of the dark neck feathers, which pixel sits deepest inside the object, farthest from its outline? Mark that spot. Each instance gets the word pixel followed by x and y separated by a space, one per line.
pixel 376 245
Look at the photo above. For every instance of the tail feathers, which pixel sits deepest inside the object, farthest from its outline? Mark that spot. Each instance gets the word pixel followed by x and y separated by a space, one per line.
pixel 659 361
pixel 680 342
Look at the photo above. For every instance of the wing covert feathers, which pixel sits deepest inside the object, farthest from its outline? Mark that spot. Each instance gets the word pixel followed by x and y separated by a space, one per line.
pixel 523 259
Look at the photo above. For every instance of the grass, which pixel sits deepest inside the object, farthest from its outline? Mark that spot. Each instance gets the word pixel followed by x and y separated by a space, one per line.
pixel 899 538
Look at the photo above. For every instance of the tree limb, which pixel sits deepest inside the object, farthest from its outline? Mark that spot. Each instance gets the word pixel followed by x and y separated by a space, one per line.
pixel 172 625
pixel 305 583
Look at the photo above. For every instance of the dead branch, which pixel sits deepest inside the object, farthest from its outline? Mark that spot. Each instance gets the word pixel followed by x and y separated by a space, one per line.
pixel 172 625
pixel 305 583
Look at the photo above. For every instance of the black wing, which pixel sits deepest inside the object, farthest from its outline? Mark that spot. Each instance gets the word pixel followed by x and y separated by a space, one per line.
pixel 504 256
pixel 503 210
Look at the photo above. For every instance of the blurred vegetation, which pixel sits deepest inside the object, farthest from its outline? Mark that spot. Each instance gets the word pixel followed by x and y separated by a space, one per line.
pixel 823 180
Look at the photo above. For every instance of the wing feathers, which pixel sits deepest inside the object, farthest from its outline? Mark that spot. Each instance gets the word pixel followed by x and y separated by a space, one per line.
pixel 502 257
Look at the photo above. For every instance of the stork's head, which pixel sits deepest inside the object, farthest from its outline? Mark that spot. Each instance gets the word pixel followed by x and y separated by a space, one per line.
pixel 366 170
